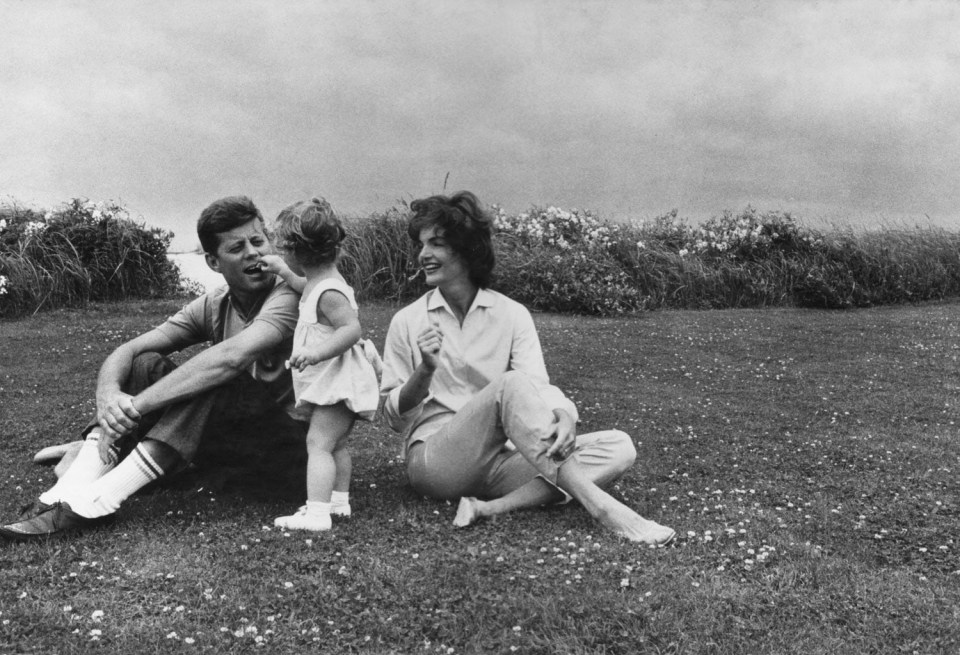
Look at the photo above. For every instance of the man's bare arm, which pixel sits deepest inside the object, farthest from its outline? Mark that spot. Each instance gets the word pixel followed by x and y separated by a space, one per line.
pixel 116 414
pixel 210 368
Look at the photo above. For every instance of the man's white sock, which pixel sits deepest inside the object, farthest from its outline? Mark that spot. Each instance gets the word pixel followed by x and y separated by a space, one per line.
pixel 86 468
pixel 104 496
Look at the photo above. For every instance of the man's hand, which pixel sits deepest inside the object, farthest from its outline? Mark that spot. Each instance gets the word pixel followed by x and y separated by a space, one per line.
pixel 565 433
pixel 116 415
pixel 429 342
pixel 103 447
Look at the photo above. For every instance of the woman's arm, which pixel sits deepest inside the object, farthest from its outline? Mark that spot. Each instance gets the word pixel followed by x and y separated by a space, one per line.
pixel 526 355
pixel 342 317
pixel 417 387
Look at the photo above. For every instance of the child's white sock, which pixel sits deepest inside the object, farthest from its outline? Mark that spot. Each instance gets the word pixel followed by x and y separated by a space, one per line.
pixel 314 516
pixel 340 503
pixel 104 496
pixel 86 468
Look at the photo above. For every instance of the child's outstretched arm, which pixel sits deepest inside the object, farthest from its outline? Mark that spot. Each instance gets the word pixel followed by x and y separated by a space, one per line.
pixel 275 264
pixel 336 308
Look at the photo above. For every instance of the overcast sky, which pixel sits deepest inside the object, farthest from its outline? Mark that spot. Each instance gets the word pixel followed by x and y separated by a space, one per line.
pixel 837 111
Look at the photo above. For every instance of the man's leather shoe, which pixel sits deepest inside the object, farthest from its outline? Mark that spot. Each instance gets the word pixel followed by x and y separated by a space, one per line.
pixel 31 510
pixel 57 520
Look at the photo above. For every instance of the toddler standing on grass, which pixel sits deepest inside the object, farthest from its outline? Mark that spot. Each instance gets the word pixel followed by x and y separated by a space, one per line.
pixel 334 373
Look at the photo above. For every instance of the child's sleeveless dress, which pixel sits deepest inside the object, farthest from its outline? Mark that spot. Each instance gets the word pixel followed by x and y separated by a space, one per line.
pixel 350 378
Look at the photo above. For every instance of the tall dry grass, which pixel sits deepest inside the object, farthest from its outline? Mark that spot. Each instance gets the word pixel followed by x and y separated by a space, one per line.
pixel 80 253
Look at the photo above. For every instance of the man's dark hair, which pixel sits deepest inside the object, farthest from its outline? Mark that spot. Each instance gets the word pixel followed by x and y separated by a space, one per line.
pixel 222 216
pixel 465 226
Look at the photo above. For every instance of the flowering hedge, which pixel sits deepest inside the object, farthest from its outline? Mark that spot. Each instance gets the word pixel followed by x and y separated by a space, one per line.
pixel 551 259
pixel 82 252
pixel 570 260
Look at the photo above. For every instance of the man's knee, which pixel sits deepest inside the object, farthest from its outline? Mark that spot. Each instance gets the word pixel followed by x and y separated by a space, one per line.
pixel 147 368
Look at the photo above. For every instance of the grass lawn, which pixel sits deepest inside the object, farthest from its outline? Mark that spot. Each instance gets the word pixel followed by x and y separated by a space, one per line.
pixel 808 459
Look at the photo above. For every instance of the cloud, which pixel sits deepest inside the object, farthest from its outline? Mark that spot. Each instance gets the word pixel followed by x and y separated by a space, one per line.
pixel 629 108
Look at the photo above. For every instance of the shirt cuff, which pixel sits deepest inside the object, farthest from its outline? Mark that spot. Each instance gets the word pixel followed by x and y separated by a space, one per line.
pixel 401 422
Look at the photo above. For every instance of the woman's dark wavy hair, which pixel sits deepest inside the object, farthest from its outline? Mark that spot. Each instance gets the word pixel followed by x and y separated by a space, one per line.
pixel 311 231
pixel 466 227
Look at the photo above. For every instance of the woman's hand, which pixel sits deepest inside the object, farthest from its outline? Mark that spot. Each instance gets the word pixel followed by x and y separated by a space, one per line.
pixel 565 433
pixel 429 342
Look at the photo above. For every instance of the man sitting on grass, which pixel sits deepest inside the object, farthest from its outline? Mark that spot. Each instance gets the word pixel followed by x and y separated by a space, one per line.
pixel 151 414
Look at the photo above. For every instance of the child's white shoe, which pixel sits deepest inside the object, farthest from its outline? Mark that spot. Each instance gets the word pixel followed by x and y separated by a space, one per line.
pixel 305 520
pixel 340 503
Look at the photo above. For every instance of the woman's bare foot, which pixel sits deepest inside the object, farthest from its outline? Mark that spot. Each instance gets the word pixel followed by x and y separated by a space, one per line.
pixel 625 522
pixel 468 512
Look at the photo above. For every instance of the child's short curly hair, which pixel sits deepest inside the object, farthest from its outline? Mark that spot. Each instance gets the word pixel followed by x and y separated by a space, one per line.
pixel 311 231
pixel 467 228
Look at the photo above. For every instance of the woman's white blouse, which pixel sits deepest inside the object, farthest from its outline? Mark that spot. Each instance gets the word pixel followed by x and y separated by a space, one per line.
pixel 497 335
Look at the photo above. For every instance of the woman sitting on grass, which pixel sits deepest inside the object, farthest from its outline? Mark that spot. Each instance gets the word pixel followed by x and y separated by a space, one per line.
pixel 465 381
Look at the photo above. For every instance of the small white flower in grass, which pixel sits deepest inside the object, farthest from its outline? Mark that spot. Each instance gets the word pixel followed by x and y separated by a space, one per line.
pixel 97 615
pixel 68 608
pixel 179 608
pixel 189 641
pixel 516 628
pixel 22 595
pixel 288 585
pixel 625 582
pixel 309 542
pixel 172 635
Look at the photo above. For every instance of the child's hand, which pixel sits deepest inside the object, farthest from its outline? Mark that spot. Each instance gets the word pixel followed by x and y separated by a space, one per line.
pixel 274 264
pixel 301 359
